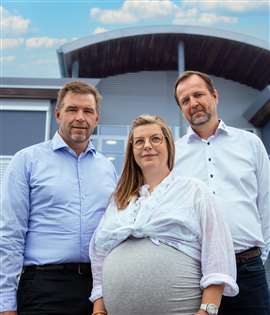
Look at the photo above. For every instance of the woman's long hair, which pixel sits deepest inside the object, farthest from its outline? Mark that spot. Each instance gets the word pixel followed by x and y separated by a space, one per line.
pixel 131 178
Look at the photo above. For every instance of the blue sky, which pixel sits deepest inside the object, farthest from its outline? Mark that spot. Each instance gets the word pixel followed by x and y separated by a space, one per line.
pixel 31 31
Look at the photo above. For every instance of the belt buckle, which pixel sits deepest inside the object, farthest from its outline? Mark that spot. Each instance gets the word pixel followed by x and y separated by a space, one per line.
pixel 79 270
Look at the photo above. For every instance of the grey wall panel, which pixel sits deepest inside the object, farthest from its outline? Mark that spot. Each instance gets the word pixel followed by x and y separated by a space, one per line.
pixel 234 99
pixel 54 126
pixel 128 95
pixel 20 129
pixel 266 139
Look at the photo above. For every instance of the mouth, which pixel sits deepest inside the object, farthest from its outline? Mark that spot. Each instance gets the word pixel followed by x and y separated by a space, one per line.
pixel 79 127
pixel 148 155
pixel 198 112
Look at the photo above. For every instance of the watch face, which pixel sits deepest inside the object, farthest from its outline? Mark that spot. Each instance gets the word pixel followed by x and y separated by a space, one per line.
pixel 212 309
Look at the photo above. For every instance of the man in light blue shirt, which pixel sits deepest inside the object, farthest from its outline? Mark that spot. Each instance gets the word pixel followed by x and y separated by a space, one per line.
pixel 54 196
pixel 234 165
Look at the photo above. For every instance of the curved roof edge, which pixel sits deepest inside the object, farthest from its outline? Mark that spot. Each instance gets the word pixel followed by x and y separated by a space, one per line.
pixel 162 29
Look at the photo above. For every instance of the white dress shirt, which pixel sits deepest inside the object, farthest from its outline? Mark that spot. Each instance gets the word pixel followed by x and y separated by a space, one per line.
pixel 234 164
pixel 180 213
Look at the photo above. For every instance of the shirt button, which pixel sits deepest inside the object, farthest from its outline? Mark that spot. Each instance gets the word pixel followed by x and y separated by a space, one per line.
pixel 208 143
pixel 209 159
pixel 211 175
pixel 214 192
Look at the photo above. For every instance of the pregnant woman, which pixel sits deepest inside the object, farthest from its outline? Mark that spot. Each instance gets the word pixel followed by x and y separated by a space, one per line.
pixel 162 246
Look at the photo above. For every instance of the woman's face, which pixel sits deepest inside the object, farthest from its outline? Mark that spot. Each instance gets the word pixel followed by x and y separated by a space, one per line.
pixel 150 148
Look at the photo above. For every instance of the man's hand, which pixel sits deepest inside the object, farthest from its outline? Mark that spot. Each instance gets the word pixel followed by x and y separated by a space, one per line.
pixel 8 313
pixel 200 312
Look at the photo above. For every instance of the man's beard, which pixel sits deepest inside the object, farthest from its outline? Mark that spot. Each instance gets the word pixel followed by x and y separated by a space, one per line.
pixel 202 119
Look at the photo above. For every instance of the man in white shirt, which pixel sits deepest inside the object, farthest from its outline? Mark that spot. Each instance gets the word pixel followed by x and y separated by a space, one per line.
pixel 235 166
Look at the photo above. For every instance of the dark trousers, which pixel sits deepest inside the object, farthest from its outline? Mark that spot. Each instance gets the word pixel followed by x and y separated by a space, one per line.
pixel 58 292
pixel 253 297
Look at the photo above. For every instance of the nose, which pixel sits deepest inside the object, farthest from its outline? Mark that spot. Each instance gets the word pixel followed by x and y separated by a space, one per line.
pixel 193 101
pixel 80 115
pixel 147 144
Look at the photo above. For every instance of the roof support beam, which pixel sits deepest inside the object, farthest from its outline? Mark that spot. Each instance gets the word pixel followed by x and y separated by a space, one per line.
pixel 181 69
pixel 181 57
pixel 75 69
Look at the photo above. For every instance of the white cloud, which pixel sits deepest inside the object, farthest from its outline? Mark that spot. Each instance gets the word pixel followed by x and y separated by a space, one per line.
pixel 7 58
pixel 196 17
pixel 100 30
pixel 186 12
pixel 11 42
pixel 134 10
pixel 112 16
pixel 40 42
pixel 208 18
pixel 12 24
pixel 231 5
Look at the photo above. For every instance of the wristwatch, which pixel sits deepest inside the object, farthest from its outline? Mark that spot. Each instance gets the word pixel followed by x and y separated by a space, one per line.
pixel 211 309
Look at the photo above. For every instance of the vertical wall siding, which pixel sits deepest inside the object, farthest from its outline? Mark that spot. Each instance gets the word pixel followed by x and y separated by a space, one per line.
pixel 266 139
pixel 128 95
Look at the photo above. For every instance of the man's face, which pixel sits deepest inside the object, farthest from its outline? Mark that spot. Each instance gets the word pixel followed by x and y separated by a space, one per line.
pixel 198 104
pixel 77 119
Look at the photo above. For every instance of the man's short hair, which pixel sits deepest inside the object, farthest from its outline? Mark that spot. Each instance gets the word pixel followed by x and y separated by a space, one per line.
pixel 186 74
pixel 78 87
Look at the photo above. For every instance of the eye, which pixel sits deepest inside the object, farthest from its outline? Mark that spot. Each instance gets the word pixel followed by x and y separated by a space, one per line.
pixel 156 139
pixel 71 109
pixel 89 111
pixel 184 102
pixel 138 142
pixel 198 94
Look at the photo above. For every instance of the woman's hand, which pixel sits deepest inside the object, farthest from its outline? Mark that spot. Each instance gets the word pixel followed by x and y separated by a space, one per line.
pixel 201 312
pixel 99 307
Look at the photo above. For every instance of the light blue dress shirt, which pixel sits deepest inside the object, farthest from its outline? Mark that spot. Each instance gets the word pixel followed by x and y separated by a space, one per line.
pixel 52 203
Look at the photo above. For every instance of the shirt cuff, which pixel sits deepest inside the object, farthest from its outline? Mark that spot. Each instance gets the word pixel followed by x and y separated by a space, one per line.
pixel 265 254
pixel 96 293
pixel 8 302
pixel 230 285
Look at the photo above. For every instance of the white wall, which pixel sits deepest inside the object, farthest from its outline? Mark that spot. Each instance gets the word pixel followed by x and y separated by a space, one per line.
pixel 129 95
pixel 234 100
pixel 266 140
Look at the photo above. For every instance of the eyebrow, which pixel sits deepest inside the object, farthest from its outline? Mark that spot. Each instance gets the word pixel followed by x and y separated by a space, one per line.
pixel 154 134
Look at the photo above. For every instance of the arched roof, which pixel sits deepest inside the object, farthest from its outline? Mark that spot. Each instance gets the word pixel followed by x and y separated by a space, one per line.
pixel 233 56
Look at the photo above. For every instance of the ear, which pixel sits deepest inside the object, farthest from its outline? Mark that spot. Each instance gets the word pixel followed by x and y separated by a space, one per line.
pixel 216 96
pixel 180 108
pixel 57 115
pixel 97 120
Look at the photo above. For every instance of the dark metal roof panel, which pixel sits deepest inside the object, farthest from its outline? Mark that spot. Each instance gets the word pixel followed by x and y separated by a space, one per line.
pixel 230 55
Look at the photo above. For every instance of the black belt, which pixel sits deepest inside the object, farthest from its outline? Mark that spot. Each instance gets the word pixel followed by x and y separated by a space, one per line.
pixel 80 268
pixel 247 255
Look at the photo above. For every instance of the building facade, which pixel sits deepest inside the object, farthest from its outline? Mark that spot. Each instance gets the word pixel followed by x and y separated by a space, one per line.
pixel 135 70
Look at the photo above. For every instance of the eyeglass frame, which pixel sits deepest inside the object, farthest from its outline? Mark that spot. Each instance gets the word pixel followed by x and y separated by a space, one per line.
pixel 150 141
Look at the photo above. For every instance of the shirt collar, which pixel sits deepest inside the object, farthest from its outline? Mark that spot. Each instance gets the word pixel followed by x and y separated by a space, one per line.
pixel 144 189
pixel 59 143
pixel 222 128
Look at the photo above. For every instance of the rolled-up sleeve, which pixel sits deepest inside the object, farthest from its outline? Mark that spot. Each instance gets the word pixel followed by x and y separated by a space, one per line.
pixel 263 199
pixel 217 252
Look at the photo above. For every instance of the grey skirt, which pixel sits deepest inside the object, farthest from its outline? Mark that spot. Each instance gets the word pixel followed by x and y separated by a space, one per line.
pixel 140 277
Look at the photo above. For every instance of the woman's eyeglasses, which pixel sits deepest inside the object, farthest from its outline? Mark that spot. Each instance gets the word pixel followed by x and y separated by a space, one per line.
pixel 155 140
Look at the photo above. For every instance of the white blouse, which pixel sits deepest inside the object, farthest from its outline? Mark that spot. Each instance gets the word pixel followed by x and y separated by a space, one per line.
pixel 180 213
